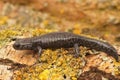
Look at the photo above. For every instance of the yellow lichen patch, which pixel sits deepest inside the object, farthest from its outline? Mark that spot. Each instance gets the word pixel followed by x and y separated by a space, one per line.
pixel 45 22
pixel 8 33
pixel 77 29
pixel 56 76
pixel 5 36
pixel 3 20
pixel 44 75
pixel 74 78
pixel 117 68
pixel 54 65
pixel 37 31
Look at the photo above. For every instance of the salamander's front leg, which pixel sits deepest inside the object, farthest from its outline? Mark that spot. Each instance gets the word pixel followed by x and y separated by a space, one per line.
pixel 77 51
pixel 38 50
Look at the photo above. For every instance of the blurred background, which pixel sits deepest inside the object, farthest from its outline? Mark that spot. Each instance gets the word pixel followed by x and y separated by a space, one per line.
pixel 98 18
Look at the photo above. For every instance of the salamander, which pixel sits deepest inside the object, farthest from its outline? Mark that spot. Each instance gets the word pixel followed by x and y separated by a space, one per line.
pixel 57 40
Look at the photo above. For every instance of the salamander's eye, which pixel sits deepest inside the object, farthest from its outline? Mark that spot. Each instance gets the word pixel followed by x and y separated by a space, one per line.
pixel 16 45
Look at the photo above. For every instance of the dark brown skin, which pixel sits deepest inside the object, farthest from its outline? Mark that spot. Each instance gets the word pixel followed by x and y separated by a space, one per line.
pixel 57 40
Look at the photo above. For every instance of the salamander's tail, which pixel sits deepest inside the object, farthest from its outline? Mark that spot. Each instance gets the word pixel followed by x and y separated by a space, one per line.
pixel 110 50
pixel 102 46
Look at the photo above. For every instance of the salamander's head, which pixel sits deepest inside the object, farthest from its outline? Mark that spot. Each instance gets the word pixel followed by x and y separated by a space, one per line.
pixel 22 44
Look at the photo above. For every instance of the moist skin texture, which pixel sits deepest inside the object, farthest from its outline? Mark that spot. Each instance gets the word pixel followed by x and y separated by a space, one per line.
pixel 57 40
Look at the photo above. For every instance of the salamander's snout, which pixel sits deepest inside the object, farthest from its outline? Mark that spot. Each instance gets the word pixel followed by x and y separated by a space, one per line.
pixel 22 45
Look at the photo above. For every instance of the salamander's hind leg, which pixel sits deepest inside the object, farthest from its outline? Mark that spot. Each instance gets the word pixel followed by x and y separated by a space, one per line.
pixel 77 50
pixel 77 53
pixel 38 50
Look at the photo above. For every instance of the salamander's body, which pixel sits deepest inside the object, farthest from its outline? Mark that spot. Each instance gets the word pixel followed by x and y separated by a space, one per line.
pixel 57 40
